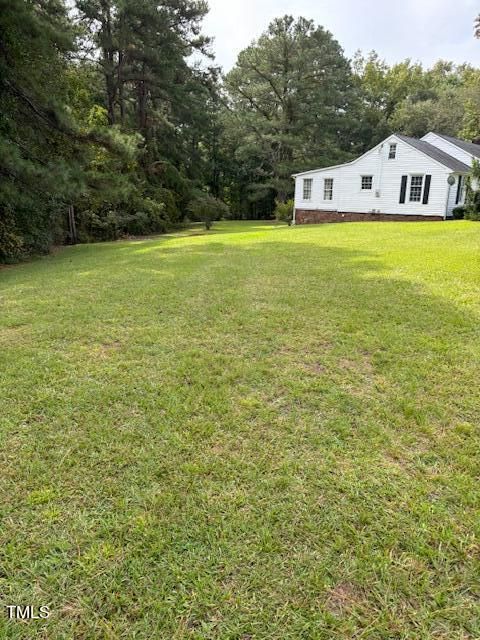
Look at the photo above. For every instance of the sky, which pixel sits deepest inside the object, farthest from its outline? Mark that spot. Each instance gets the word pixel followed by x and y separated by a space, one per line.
pixel 424 30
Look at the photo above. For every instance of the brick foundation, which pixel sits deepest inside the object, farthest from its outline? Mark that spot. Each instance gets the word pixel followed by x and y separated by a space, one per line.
pixel 305 216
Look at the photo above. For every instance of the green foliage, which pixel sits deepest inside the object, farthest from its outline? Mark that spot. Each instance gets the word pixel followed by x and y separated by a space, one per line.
pixel 472 200
pixel 459 213
pixel 135 216
pixel 206 208
pixel 247 435
pixel 284 211
pixel 443 114
pixel 102 110
pixel 412 100
pixel 281 118
pixel 472 212
pixel 11 241
pixel 88 107
pixel 39 148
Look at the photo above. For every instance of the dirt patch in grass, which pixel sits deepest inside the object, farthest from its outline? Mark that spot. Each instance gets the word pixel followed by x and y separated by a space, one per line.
pixel 314 367
pixel 343 597
pixel 13 335
pixel 105 349
pixel 306 467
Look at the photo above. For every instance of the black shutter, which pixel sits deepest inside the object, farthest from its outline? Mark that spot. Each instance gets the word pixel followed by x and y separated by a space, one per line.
pixel 426 191
pixel 403 189
pixel 459 189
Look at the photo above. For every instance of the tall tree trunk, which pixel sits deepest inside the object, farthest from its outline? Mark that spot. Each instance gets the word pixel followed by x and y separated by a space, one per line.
pixel 108 52
pixel 111 96
pixel 142 102
pixel 72 227
pixel 121 97
pixel 215 175
pixel 122 59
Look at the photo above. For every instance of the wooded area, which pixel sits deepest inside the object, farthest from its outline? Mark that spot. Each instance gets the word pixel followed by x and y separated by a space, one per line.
pixel 109 125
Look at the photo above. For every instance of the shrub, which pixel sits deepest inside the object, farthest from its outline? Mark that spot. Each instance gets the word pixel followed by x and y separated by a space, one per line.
pixel 472 214
pixel 11 242
pixel 458 213
pixel 145 216
pixel 284 211
pixel 472 207
pixel 205 208
pixel 135 215
pixel 171 202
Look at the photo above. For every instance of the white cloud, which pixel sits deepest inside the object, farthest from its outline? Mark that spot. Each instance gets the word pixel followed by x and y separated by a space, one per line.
pixel 424 30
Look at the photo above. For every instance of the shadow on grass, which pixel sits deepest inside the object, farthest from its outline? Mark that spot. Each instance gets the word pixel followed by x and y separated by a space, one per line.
pixel 244 404
pixel 277 294
pixel 266 296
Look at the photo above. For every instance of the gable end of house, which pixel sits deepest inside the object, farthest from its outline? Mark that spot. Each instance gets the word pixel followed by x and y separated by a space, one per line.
pixel 400 178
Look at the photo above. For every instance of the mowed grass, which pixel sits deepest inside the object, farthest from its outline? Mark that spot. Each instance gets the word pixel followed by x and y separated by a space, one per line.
pixel 256 432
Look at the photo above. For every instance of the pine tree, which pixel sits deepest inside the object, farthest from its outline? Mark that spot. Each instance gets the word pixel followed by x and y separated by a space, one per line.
pixel 38 141
pixel 150 88
pixel 290 93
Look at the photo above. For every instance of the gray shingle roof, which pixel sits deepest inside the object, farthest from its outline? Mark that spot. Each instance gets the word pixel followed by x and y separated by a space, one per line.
pixel 435 153
pixel 469 147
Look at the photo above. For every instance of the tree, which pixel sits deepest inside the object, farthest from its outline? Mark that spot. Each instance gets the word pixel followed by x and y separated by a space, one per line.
pixel 477 26
pixel 40 145
pixel 471 98
pixel 142 49
pixel 370 79
pixel 444 114
pixel 411 100
pixel 288 99
pixel 472 203
pixel 383 90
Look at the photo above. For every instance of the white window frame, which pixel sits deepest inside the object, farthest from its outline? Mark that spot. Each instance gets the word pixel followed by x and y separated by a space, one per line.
pixel 328 190
pixel 307 188
pixel 362 184
pixel 410 186
pixel 392 151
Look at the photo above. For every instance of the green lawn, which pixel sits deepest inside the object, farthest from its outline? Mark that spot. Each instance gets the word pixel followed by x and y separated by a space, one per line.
pixel 259 432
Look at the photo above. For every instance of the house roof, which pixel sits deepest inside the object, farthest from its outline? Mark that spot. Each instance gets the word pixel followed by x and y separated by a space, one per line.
pixel 424 147
pixel 469 147
pixel 437 154
pixel 335 166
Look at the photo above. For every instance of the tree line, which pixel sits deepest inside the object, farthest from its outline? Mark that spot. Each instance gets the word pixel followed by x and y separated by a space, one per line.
pixel 108 125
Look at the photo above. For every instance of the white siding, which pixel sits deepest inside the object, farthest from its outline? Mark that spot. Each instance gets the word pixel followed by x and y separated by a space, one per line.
pixel 387 176
pixel 452 196
pixel 317 201
pixel 449 148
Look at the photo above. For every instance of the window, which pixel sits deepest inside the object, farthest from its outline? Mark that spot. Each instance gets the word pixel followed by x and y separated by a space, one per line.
pixel 328 189
pixel 392 153
pixel 367 183
pixel 307 188
pixel 416 185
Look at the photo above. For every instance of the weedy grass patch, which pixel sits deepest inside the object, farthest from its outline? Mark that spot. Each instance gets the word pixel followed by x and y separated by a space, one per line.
pixel 255 432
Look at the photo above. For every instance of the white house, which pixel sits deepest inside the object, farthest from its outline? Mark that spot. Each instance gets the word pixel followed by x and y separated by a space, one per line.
pixel 401 178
